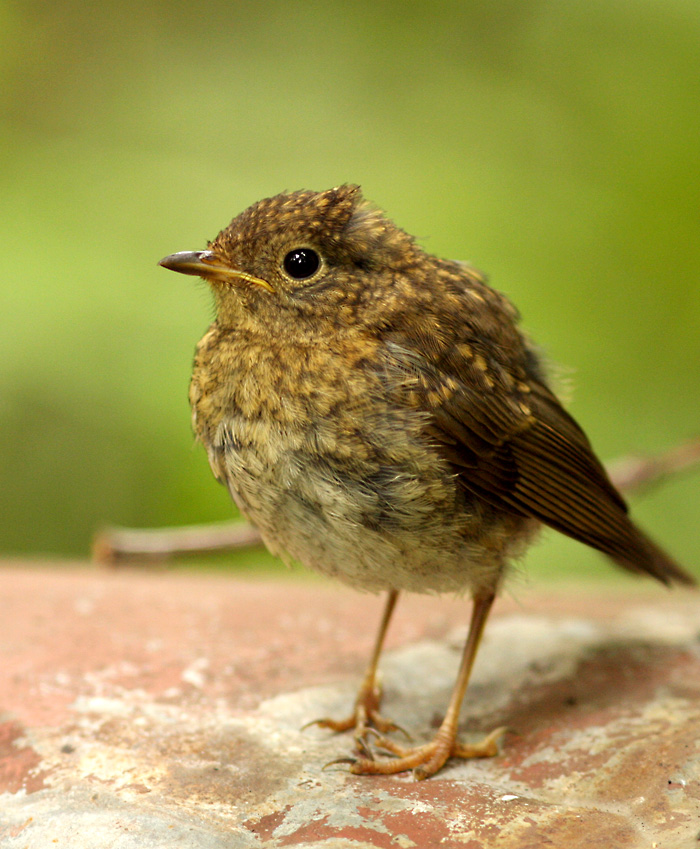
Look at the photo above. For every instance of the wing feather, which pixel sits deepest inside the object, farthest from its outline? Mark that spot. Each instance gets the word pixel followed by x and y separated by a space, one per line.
pixel 521 451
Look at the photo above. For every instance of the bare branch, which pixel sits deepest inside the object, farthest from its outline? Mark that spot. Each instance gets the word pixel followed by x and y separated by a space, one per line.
pixel 632 473
pixel 117 545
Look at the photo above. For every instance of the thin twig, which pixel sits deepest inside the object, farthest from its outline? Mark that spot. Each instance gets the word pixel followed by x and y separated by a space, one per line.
pixel 632 473
pixel 118 545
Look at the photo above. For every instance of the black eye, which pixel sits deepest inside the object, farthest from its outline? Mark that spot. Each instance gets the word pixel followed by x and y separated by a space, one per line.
pixel 301 263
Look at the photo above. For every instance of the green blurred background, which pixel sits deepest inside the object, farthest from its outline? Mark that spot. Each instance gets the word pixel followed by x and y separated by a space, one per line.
pixel 554 144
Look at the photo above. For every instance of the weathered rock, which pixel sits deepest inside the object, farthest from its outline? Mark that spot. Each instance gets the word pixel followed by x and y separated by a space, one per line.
pixel 164 710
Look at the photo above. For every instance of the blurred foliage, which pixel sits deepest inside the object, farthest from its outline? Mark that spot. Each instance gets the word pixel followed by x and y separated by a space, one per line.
pixel 555 145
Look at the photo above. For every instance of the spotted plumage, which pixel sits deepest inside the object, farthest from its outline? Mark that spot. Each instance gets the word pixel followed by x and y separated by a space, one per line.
pixel 378 414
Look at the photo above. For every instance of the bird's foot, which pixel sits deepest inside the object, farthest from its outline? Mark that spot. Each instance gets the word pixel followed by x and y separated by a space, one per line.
pixel 424 760
pixel 365 719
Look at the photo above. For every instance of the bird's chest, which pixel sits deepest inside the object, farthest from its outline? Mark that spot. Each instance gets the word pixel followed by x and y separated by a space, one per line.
pixel 266 409
pixel 316 456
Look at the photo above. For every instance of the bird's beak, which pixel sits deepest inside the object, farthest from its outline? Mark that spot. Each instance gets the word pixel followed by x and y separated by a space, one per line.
pixel 209 266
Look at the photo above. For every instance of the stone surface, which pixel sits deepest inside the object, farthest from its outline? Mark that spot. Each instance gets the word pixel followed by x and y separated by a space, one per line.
pixel 142 709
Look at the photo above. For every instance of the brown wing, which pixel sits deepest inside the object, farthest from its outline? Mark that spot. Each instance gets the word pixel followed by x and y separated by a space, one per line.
pixel 512 443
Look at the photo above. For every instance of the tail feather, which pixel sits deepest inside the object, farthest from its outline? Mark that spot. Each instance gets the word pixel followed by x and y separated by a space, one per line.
pixel 646 557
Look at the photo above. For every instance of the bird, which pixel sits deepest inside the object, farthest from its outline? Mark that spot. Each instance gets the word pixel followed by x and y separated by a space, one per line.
pixel 379 415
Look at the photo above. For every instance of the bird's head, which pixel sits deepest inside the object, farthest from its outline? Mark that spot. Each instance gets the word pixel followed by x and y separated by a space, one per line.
pixel 315 254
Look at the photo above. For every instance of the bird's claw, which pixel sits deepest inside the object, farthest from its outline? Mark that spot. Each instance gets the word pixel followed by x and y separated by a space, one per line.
pixel 427 759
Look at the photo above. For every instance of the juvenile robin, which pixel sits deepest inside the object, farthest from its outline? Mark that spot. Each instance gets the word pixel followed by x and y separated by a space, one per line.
pixel 377 413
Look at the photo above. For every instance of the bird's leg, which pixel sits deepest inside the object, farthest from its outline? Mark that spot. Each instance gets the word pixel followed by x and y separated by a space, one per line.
pixel 428 759
pixel 366 711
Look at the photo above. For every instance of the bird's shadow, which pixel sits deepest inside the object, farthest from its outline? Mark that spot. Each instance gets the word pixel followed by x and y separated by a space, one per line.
pixel 583 685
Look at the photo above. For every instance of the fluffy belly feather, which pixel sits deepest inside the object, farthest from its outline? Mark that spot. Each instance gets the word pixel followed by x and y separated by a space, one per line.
pixel 404 525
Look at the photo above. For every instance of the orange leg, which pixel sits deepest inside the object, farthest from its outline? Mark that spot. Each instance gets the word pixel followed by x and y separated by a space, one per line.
pixel 365 715
pixel 426 760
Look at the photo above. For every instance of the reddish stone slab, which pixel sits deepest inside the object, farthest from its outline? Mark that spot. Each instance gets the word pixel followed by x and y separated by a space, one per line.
pixel 164 709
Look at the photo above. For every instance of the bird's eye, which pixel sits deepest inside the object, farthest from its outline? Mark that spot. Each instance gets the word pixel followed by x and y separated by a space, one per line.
pixel 302 263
